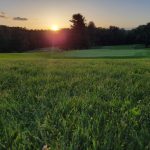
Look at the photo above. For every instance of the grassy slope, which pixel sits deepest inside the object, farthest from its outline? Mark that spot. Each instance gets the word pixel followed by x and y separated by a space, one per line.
pixel 109 53
pixel 131 51
pixel 74 104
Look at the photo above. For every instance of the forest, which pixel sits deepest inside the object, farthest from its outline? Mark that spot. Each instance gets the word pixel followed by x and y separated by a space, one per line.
pixel 81 35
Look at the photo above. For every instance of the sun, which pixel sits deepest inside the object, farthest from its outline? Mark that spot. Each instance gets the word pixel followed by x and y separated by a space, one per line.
pixel 55 28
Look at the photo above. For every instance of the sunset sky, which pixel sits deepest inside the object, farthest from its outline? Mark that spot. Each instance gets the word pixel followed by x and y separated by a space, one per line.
pixel 43 14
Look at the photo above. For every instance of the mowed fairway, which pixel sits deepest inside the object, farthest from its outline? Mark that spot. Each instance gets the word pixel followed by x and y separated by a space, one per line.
pixel 131 51
pixel 74 104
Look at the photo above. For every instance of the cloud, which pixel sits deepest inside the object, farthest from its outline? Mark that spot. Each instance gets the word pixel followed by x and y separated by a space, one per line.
pixel 3 15
pixel 20 19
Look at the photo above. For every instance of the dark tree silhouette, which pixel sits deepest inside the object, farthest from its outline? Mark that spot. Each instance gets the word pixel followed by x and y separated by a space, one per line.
pixel 91 25
pixel 78 22
pixel 147 35
pixel 142 35
pixel 92 33
pixel 79 36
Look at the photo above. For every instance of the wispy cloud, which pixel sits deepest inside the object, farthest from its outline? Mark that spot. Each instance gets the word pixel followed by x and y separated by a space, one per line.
pixel 20 19
pixel 3 15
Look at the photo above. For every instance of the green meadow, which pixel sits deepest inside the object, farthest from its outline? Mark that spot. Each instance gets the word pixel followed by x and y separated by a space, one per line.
pixel 70 102
pixel 129 51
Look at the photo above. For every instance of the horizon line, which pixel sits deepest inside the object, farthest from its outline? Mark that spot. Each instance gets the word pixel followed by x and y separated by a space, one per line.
pixel 62 28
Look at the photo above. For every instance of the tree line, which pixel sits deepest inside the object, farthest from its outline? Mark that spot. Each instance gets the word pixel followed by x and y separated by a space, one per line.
pixel 80 36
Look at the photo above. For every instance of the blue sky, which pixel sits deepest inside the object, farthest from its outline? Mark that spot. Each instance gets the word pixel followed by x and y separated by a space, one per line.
pixel 45 13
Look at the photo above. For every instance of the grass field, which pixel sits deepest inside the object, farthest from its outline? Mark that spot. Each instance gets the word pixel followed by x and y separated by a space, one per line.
pixel 131 51
pixel 74 104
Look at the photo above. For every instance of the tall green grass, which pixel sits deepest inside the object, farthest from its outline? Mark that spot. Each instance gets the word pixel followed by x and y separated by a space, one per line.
pixel 74 104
